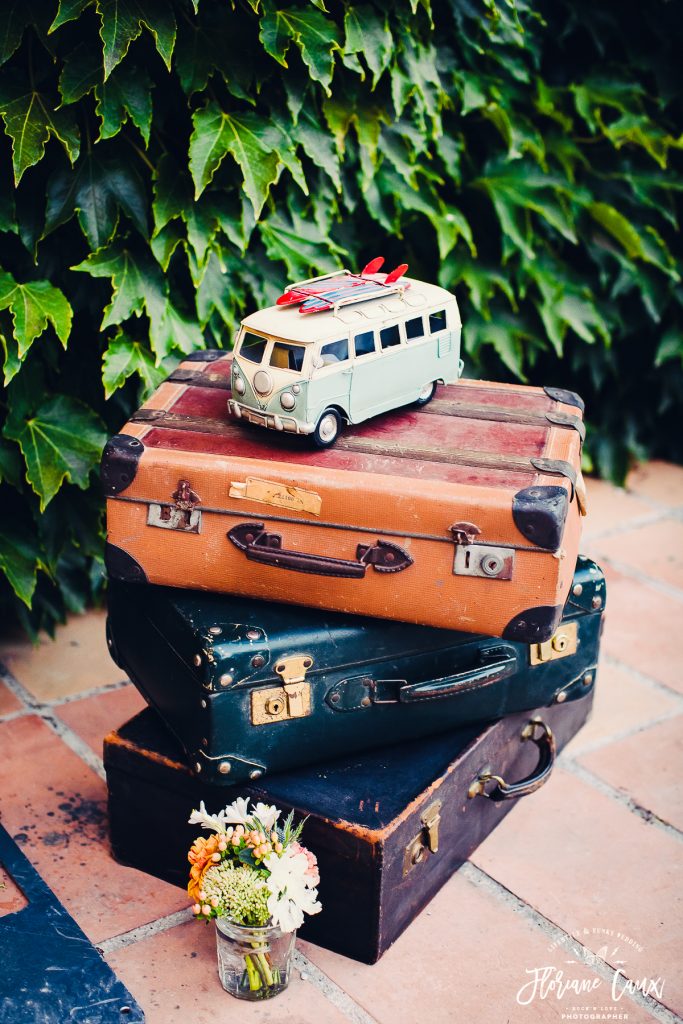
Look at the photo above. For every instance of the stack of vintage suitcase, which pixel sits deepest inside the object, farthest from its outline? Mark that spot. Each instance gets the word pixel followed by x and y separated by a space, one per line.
pixel 290 615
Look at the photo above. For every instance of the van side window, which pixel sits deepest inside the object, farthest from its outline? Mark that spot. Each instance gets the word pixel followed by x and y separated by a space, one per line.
pixel 365 343
pixel 334 352
pixel 415 328
pixel 437 321
pixel 287 357
pixel 390 336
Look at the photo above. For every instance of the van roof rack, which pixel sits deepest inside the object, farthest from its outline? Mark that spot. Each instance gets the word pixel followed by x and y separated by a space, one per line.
pixel 344 288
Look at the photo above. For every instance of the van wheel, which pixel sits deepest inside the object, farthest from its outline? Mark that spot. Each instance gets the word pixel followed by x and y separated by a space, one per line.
pixel 426 394
pixel 328 429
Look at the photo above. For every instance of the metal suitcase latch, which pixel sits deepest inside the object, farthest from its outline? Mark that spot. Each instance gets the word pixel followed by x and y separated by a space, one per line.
pixel 427 839
pixel 291 700
pixel 564 642
pixel 476 559
pixel 182 515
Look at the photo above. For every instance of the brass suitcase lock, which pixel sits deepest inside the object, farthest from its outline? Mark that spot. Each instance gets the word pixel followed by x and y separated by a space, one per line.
pixel 291 700
pixel 427 839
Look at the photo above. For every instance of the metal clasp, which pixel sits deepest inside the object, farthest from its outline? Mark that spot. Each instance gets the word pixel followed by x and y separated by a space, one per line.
pixel 291 700
pixel 476 559
pixel 182 515
pixel 563 643
pixel 427 839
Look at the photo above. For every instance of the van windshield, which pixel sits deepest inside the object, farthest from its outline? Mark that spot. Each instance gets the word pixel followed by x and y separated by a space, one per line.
pixel 253 346
pixel 287 357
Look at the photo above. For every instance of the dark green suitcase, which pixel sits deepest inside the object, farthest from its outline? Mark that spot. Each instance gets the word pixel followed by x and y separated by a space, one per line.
pixel 250 687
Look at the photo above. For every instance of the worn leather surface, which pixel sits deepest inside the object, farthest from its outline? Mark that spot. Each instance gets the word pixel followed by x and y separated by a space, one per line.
pixel 405 478
pixel 199 658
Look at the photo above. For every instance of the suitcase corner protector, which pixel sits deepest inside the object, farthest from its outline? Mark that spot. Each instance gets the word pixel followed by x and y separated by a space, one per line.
pixel 119 463
pixel 122 566
pixel 540 514
pixel 535 625
pixel 566 397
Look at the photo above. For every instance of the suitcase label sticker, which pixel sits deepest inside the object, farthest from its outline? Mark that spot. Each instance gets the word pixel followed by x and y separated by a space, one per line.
pixel 271 493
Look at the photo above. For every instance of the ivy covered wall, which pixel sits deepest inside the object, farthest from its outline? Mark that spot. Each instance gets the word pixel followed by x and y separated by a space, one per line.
pixel 166 165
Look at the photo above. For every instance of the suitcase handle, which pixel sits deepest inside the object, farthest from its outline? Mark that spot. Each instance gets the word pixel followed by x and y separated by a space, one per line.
pixel 495 663
pixel 266 548
pixel 511 790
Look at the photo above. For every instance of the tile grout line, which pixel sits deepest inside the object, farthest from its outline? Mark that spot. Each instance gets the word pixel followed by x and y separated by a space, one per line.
pixel 93 691
pixel 642 677
pixel 617 737
pixel 144 931
pixel 74 742
pixel 332 992
pixel 18 689
pixel 649 817
pixel 480 878
pixel 647 519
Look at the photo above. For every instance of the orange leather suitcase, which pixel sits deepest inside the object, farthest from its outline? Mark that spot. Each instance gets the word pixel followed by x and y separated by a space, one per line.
pixel 463 514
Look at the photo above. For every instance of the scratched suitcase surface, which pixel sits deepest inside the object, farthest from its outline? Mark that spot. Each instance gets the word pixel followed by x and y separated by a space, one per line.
pixel 388 828
pixel 250 687
pixel 464 514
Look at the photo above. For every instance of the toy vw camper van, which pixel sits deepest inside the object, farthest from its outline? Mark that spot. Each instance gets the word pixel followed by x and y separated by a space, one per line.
pixel 344 347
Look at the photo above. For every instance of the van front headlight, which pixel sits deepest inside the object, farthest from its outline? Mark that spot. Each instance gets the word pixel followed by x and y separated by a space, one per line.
pixel 287 400
pixel 239 385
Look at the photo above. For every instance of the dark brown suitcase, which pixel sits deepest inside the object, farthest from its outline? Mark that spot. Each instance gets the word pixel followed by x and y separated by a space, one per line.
pixel 388 828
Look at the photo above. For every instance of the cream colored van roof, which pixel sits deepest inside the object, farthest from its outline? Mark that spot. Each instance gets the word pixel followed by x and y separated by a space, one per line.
pixel 287 322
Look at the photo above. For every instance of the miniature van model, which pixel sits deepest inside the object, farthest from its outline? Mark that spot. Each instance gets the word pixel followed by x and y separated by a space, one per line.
pixel 376 342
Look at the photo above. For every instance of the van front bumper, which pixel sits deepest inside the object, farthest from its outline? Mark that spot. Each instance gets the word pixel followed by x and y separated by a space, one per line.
pixel 271 420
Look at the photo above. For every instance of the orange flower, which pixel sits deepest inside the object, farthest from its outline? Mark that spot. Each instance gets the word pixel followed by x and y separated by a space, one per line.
pixel 199 856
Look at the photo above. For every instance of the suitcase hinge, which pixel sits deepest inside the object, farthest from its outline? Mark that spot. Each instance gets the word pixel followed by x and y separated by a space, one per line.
pixel 476 559
pixel 291 700
pixel 562 643
pixel 427 839
pixel 182 515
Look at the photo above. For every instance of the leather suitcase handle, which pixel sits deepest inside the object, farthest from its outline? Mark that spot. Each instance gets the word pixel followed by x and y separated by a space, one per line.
pixel 496 663
pixel 511 790
pixel 266 548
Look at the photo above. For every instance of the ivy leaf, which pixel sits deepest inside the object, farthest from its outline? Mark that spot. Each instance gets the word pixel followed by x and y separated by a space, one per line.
pixel 30 121
pixel 96 192
pixel 619 227
pixel 368 34
pixel 300 245
pixel 10 464
pixel 62 440
pixel 15 15
pixel 165 243
pixel 81 72
pixel 123 21
pixel 125 357
pixel 20 559
pixel 127 93
pixel 316 36
pixel 130 283
pixel 319 147
pixel 33 305
pixel 250 139
pixel 171 192
pixel 68 10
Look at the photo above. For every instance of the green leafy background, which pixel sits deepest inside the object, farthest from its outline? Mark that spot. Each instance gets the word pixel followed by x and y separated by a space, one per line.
pixel 166 165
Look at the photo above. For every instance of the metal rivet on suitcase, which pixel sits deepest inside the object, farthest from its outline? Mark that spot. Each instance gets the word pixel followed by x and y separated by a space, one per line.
pixel 225 767
pixel 597 601
pixel 226 679
pixel 588 679
pixel 256 774
pixel 577 589
pixel 258 661
pixel 204 704
pixel 197 767
pixel 253 634
pixel 215 630
pixel 197 660
pixel 561 697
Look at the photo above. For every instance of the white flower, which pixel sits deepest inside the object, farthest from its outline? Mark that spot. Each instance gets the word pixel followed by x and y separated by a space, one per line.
pixel 267 814
pixel 237 813
pixel 216 822
pixel 291 896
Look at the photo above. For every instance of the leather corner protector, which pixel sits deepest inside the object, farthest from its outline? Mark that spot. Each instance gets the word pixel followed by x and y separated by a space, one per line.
pixel 566 397
pixel 122 566
pixel 119 463
pixel 535 625
pixel 540 514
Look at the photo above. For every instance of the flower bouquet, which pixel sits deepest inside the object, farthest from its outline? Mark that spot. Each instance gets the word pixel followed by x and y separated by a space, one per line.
pixel 254 878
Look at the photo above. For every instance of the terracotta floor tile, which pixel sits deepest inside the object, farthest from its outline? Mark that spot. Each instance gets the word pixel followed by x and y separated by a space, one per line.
pixel 643 628
pixel 8 702
pixel 586 862
pixel 76 660
pixel 647 767
pixel 173 976
pixel 655 550
pixel 11 896
pixel 465 959
pixel 658 481
pixel 610 507
pixel 621 703
pixel 93 717
pixel 55 807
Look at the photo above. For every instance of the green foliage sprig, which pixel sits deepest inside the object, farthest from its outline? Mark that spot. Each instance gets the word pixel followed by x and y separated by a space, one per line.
pixel 168 164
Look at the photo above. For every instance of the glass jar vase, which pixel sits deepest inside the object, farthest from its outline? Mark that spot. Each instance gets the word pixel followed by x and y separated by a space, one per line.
pixel 253 963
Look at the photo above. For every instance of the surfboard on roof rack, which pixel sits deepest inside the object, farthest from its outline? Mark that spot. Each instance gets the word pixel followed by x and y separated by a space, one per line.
pixel 319 294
